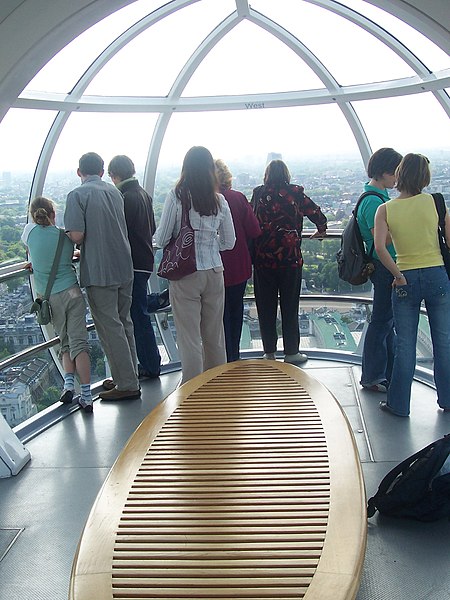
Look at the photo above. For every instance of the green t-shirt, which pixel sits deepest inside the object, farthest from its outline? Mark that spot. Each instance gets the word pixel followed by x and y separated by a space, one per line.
pixel 366 217
pixel 42 243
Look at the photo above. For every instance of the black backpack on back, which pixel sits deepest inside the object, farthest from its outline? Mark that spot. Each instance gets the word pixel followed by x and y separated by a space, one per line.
pixel 354 264
pixel 414 488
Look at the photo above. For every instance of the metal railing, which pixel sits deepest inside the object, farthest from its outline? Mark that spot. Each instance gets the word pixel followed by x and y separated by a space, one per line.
pixel 56 412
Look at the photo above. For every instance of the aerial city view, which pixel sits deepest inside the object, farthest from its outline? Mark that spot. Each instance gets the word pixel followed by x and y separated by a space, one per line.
pixel 334 185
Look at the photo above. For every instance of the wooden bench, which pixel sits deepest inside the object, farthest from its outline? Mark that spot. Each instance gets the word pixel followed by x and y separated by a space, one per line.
pixel 244 483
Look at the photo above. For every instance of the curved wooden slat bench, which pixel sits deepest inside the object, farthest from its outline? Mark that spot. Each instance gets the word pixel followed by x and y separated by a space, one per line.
pixel 244 483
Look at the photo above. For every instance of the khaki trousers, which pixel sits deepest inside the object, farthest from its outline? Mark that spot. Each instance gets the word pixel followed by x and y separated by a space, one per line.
pixel 110 309
pixel 197 302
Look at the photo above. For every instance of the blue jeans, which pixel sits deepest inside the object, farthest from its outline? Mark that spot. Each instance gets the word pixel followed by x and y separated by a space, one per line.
pixel 379 343
pixel 233 316
pixel 433 286
pixel 144 335
pixel 153 302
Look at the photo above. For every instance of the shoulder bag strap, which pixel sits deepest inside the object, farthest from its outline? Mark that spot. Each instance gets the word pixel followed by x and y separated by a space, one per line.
pixel 439 202
pixel 355 213
pixel 51 277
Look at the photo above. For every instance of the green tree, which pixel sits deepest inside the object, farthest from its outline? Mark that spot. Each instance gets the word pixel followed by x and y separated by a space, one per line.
pixel 100 368
pixel 49 397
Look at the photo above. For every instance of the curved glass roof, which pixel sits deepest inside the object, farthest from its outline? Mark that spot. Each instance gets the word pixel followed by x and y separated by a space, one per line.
pixel 300 77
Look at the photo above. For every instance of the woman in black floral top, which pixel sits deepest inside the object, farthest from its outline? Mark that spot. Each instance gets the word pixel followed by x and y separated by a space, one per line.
pixel 280 207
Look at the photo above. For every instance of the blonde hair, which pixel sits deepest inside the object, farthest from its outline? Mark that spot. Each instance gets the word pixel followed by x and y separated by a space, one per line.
pixel 41 211
pixel 224 175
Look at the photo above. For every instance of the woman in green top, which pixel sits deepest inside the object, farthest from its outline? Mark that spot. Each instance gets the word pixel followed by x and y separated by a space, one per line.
pixel 66 300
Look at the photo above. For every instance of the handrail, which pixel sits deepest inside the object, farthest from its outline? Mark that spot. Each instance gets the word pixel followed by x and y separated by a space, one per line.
pixel 33 350
pixel 14 270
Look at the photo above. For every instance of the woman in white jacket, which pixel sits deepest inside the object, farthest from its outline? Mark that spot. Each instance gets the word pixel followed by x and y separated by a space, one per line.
pixel 197 300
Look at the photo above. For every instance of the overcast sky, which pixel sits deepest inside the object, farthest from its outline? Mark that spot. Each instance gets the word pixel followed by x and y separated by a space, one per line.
pixel 248 60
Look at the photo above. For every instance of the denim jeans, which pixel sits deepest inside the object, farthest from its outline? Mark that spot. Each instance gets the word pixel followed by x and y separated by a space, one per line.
pixel 379 343
pixel 433 286
pixel 144 335
pixel 153 302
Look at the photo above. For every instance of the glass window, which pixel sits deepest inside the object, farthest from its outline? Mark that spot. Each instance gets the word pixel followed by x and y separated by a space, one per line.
pixel 415 123
pixel 333 40
pixel 432 56
pixel 303 133
pixel 22 134
pixel 62 72
pixel 107 134
pixel 249 60
pixel 149 64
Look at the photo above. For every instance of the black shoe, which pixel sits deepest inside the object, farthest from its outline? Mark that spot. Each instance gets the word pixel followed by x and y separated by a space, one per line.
pixel 66 397
pixel 86 405
pixel 164 301
pixel 142 374
pixel 384 406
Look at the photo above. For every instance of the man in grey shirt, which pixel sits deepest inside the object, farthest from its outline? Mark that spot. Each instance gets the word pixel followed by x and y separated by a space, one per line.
pixel 95 220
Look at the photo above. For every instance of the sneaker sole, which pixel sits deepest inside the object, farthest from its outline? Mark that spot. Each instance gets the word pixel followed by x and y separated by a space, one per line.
pixel 66 397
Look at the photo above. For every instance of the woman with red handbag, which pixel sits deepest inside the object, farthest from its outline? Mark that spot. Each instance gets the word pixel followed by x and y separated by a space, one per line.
pixel 197 298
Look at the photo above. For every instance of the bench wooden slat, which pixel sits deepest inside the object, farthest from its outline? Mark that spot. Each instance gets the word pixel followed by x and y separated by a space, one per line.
pixel 244 483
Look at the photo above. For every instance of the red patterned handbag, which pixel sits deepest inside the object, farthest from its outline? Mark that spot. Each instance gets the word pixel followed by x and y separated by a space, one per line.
pixel 178 258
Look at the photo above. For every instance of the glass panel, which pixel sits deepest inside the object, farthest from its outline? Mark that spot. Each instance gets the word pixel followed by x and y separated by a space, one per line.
pixel 247 137
pixel 245 62
pixel 149 64
pixel 323 325
pixel 18 328
pixel 415 123
pixel 28 387
pixel 22 133
pixel 424 48
pixel 106 133
pixel 62 72
pixel 334 40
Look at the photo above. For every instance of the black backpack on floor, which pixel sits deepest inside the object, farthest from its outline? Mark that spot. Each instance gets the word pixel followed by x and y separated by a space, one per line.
pixel 414 489
pixel 354 264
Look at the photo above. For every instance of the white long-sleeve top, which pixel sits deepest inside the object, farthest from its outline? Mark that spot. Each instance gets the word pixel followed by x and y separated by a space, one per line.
pixel 213 233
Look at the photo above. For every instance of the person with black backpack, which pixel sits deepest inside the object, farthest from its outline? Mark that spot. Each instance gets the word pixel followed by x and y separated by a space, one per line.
pixel 379 342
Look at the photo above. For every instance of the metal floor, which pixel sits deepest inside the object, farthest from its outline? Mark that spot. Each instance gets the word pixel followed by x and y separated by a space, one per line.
pixel 44 507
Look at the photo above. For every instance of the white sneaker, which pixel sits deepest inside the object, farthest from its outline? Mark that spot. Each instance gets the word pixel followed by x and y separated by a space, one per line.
pixel 269 356
pixel 295 359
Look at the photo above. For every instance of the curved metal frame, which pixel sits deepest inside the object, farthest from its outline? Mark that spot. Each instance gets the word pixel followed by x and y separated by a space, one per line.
pixel 332 92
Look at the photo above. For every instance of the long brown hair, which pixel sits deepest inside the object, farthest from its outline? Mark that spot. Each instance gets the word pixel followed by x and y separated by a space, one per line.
pixel 41 211
pixel 277 174
pixel 198 181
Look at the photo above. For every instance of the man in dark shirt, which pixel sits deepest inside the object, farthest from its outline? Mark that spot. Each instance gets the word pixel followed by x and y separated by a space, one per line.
pixel 141 227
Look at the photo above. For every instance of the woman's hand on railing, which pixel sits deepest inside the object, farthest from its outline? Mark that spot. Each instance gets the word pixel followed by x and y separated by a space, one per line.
pixel 318 235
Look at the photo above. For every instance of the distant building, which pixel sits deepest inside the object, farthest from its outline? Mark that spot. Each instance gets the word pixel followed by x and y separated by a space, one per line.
pixel 20 333
pixel 273 156
pixel 15 403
